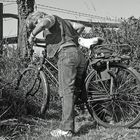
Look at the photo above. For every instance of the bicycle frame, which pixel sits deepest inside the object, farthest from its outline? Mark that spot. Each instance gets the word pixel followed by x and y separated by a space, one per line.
pixel 46 61
pixel 48 67
pixel 50 72
pixel 103 97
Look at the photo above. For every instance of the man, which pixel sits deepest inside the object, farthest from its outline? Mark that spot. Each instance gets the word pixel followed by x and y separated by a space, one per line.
pixel 62 41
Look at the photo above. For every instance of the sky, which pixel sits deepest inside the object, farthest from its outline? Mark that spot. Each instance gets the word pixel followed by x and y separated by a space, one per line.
pixel 102 8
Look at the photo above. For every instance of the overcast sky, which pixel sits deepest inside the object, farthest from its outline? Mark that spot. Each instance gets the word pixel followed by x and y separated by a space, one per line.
pixel 103 8
pixel 119 8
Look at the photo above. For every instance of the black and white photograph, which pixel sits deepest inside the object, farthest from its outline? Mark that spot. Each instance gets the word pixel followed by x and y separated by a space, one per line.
pixel 69 70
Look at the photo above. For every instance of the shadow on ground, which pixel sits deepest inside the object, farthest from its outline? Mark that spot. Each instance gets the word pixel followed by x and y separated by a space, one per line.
pixel 85 128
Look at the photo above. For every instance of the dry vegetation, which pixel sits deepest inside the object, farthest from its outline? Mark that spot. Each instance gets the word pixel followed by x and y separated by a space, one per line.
pixel 16 124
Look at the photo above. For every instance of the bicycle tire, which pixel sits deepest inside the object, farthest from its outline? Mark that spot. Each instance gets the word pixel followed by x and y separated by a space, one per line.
pixel 35 87
pixel 122 107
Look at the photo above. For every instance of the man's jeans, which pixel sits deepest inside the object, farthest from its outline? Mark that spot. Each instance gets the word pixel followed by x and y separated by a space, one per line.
pixel 71 66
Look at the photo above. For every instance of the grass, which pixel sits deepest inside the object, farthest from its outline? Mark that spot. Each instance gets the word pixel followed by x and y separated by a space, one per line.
pixel 29 127
pixel 38 129
pixel 15 124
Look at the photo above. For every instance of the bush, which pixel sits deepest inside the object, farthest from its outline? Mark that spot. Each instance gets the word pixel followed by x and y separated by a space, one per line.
pixel 128 32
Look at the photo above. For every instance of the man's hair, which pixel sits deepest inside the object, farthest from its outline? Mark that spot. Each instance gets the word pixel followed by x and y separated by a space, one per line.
pixel 33 18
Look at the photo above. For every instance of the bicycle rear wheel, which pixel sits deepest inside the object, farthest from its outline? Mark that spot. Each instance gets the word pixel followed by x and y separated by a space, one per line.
pixel 34 85
pixel 114 102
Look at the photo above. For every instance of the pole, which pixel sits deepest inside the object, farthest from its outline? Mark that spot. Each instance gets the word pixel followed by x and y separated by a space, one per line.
pixel 1 21
pixel 1 27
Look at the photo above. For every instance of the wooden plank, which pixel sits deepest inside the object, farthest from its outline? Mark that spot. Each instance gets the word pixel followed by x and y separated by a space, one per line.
pixel 10 40
pixel 1 21
pixel 1 27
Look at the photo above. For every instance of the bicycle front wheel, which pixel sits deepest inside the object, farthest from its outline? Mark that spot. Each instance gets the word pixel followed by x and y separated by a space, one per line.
pixel 114 101
pixel 34 86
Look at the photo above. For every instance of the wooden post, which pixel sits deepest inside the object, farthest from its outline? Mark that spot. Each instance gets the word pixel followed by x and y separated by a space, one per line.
pixel 24 8
pixel 1 27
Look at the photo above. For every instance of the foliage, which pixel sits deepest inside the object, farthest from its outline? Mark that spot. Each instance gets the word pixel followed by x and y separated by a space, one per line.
pixel 128 32
pixel 25 7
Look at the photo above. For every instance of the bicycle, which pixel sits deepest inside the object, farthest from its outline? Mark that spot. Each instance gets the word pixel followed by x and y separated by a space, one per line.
pixel 112 87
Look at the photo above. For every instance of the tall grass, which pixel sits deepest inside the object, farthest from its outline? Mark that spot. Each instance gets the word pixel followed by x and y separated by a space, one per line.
pixel 15 124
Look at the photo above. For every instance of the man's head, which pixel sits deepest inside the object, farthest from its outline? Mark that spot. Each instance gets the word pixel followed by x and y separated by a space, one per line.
pixel 32 19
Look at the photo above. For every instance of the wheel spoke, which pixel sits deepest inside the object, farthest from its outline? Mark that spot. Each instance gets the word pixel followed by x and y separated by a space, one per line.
pixel 122 106
pixel 34 86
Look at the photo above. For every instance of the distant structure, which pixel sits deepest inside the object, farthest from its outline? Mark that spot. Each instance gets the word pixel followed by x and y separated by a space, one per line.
pixel 10 40
pixel 93 18
pixel 104 21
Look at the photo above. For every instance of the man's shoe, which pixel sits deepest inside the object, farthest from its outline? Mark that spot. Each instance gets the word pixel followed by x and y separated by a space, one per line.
pixel 59 133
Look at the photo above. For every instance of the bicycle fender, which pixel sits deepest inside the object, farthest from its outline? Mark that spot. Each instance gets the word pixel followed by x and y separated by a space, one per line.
pixel 89 75
pixel 135 72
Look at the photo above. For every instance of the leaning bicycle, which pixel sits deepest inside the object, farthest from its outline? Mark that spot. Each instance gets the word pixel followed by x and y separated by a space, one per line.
pixel 112 87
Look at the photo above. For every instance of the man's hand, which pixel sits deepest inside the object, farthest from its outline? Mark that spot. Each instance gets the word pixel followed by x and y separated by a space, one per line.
pixel 31 39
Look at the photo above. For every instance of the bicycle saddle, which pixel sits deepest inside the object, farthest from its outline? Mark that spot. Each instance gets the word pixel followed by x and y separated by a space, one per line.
pixel 87 42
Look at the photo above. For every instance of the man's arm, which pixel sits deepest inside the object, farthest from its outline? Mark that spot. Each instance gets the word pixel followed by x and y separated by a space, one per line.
pixel 78 27
pixel 42 24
